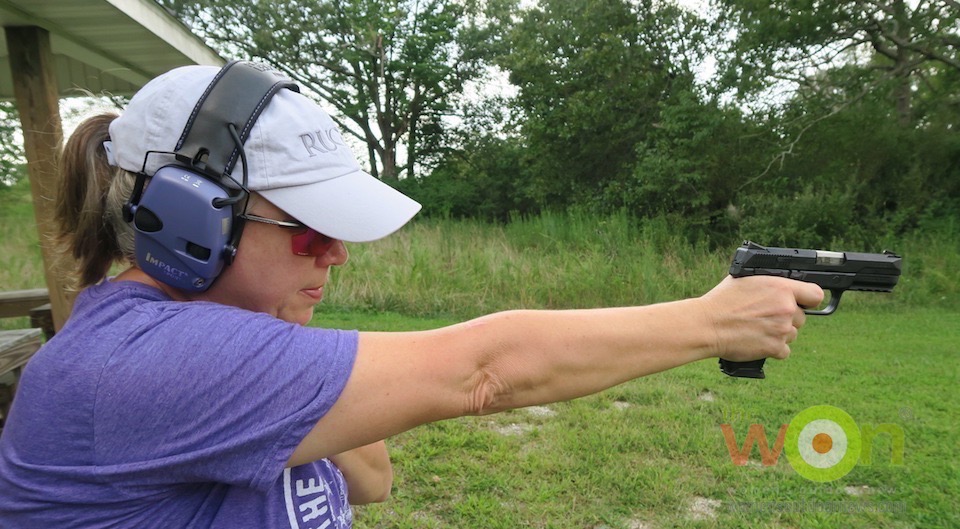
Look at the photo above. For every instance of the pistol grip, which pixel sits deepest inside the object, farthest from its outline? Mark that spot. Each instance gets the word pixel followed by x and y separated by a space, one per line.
pixel 751 369
pixel 754 368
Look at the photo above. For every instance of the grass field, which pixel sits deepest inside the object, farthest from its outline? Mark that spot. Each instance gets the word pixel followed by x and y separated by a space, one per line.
pixel 650 454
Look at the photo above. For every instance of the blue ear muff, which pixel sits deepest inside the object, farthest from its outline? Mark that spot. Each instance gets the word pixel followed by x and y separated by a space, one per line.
pixel 182 228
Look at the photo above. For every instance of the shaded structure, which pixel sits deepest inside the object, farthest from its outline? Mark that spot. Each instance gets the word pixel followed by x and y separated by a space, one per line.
pixel 61 48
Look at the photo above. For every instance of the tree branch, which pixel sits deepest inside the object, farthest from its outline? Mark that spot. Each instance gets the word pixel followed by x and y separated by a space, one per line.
pixel 782 156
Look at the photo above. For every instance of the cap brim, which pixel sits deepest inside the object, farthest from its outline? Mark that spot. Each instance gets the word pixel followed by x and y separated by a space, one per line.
pixel 355 207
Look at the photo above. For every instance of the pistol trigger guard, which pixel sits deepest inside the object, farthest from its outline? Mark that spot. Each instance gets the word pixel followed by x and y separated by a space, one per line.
pixel 831 307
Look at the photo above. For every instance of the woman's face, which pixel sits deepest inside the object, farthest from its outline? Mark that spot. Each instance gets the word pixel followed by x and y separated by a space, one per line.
pixel 266 276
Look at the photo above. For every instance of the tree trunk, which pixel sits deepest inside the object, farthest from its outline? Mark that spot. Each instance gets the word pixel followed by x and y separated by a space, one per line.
pixel 902 90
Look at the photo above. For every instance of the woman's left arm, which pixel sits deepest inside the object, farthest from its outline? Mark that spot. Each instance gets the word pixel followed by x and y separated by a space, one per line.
pixel 368 473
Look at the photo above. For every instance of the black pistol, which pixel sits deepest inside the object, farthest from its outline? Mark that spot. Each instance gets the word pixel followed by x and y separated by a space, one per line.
pixel 837 272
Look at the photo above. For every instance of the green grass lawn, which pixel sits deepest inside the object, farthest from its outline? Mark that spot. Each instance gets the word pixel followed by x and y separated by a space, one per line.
pixel 651 453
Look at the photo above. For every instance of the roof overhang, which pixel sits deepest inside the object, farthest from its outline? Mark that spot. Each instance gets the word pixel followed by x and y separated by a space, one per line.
pixel 112 46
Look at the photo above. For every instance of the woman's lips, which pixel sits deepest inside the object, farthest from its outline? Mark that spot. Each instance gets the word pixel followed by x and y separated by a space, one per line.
pixel 315 293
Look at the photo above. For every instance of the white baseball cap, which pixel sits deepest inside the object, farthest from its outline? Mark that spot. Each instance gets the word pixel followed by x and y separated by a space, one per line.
pixel 297 157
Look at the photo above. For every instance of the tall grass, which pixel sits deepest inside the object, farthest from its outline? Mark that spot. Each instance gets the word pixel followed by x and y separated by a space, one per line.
pixel 20 262
pixel 463 268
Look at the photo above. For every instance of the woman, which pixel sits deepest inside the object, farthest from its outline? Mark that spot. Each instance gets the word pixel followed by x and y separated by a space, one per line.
pixel 160 406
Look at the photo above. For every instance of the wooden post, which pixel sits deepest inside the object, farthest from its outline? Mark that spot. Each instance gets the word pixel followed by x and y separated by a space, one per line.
pixel 35 92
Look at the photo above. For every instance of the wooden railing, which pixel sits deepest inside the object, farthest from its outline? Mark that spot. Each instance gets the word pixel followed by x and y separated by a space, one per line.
pixel 34 303
pixel 17 346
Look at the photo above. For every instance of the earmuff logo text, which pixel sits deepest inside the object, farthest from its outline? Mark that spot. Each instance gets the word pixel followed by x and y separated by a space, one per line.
pixel 170 271
pixel 823 443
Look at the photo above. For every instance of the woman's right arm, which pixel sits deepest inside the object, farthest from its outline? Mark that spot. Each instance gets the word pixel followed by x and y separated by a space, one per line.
pixel 521 358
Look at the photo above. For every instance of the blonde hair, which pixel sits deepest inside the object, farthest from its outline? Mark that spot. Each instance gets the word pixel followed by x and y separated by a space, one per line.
pixel 89 207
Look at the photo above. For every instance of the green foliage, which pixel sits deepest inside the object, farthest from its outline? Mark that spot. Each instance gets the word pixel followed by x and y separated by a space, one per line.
pixel 21 265
pixel 590 75
pixel 483 180
pixel 692 165
pixel 779 40
pixel 861 131
pixel 857 176
pixel 11 151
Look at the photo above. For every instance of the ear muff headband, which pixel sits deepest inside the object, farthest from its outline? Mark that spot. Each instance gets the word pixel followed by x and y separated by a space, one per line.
pixel 237 95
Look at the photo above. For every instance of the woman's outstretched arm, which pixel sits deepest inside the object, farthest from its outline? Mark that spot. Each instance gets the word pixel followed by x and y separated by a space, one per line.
pixel 521 358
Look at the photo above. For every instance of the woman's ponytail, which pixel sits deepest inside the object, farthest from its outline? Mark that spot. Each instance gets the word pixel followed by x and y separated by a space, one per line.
pixel 89 210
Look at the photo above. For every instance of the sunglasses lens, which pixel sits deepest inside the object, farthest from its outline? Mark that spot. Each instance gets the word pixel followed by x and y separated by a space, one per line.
pixel 311 242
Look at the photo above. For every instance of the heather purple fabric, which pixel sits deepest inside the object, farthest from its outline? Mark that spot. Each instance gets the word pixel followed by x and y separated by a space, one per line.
pixel 147 412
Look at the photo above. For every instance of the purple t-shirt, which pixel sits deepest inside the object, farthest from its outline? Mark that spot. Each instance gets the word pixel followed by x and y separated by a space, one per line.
pixel 147 412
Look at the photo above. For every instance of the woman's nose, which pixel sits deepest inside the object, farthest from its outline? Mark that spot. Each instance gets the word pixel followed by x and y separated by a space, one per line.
pixel 337 255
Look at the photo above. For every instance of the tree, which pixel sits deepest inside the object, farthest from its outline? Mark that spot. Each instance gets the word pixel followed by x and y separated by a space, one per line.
pixel 866 112
pixel 899 45
pixel 694 165
pixel 11 150
pixel 591 75
pixel 483 177
pixel 393 69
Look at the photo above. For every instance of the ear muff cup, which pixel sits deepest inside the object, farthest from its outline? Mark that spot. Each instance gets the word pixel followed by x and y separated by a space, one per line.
pixel 181 234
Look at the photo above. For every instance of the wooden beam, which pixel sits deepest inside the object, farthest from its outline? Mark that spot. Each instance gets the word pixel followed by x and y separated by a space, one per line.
pixel 19 303
pixel 35 92
pixel 160 22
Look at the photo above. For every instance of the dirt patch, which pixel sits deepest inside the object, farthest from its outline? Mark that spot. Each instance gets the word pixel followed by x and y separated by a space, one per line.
pixel 862 490
pixel 703 508
pixel 513 429
pixel 540 411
